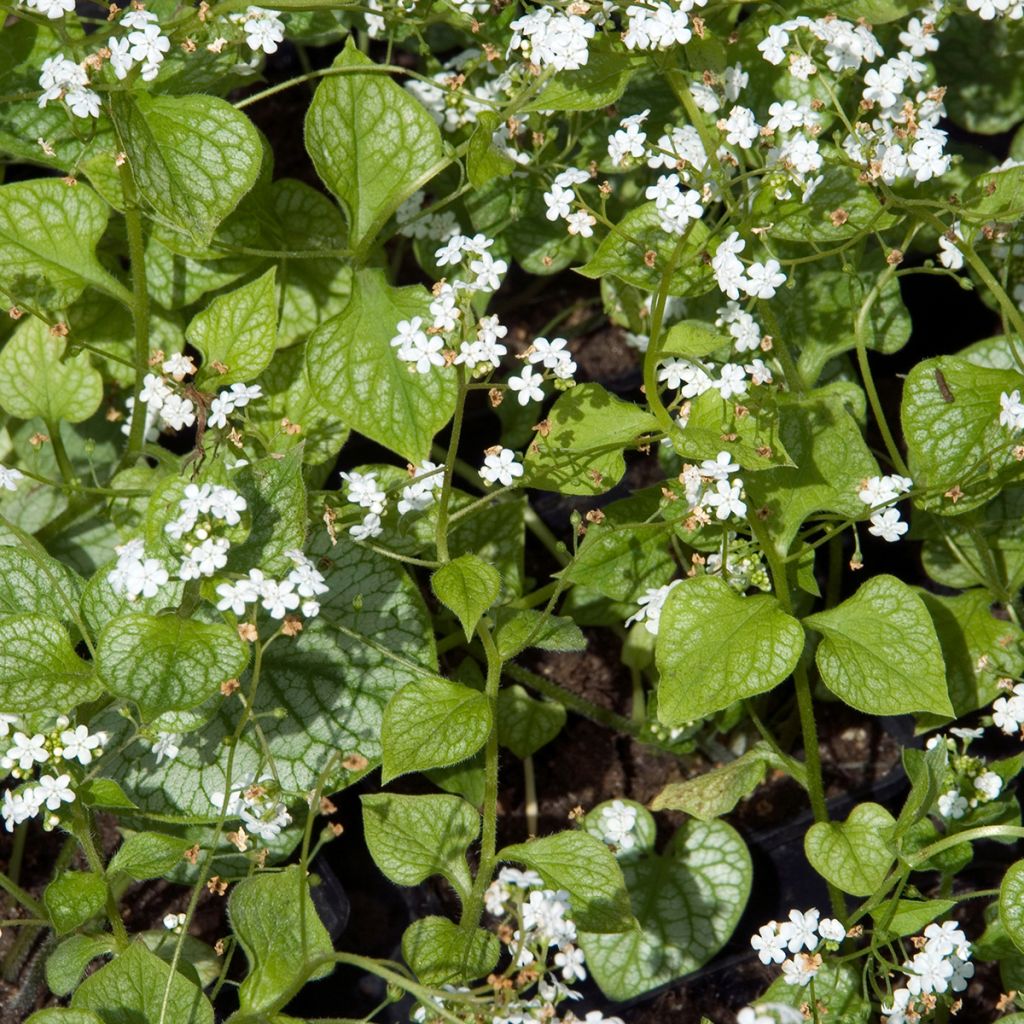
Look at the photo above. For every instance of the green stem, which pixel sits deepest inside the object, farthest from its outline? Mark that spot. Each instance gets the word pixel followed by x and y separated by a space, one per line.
pixel 860 334
pixel 489 840
pixel 60 453
pixel 83 832
pixel 444 500
pixel 140 307
pixel 804 696
pixel 17 852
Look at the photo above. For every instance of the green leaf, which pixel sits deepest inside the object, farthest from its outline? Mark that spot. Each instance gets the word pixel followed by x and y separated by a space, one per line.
pixel 484 160
pixel 105 794
pixel 971 636
pixel 997 527
pixel 586 869
pixel 879 651
pixel 468 586
pixel 320 694
pixel 599 83
pixel 66 964
pixel 711 794
pixel 688 901
pixel 238 330
pixel 413 837
pixel 167 663
pixel 693 339
pixel 519 628
pixel 582 452
pixel 62 1015
pixel 620 562
pixel 823 321
pixel 192 157
pixel 350 357
pixel 48 237
pixel 32 581
pixel 371 142
pixel 148 855
pixel 950 417
pixel 623 253
pixel 1011 903
pixel 526 724
pixel 716 647
pixel 432 723
pixel 825 442
pixel 927 772
pixel 39 670
pixel 288 395
pixel 855 855
pixel 442 953
pixel 278 927
pixel 910 916
pixel 36 379
pixel 132 988
pixel 794 220
pixel 72 898
pixel 996 195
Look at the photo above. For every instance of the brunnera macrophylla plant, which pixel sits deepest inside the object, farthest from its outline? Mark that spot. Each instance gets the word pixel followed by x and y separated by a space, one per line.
pixel 215 613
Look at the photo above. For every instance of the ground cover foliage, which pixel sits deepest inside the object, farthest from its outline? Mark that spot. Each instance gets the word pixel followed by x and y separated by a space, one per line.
pixel 304 473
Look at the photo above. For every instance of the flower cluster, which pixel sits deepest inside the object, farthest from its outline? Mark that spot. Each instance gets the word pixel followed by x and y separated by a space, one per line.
pixel 881 494
pixel 59 748
pixel 298 590
pixel 805 936
pixel 942 964
pixel 548 39
pixel 969 781
pixel 259 810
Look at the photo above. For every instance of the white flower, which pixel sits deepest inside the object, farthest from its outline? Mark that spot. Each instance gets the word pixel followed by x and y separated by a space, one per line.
pixel 952 805
pixel 27 751
pixel 989 785
pixel 121 60
pixel 651 603
pixel 559 203
pixel 732 381
pixel 617 823
pixel 175 922
pixel 1008 713
pixel 83 102
pixel 53 9
pixel 581 223
pixel 179 366
pixel 279 597
pixel 149 46
pixel 726 499
pixel 888 525
pixel 769 944
pixel 166 746
pixel 177 413
pixel 527 385
pixel 749 1015
pixel 488 272
pixel 740 128
pixel 9 478
pixel 919 38
pixel 719 468
pixel 763 279
pixel 928 972
pixel 801 930
pixel 831 930
pixel 1011 415
pixel 263 30
pixel 801 969
pixel 945 938
pixel 501 467
pixel 78 744
pixel 53 791
pixel 570 960
pixel 785 116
